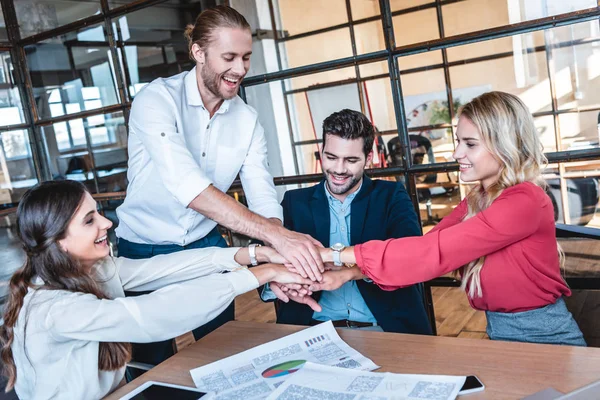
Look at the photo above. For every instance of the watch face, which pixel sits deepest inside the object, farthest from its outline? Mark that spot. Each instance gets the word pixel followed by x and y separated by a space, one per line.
pixel 338 247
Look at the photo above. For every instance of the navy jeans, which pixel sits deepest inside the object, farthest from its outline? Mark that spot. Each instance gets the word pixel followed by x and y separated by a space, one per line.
pixel 157 352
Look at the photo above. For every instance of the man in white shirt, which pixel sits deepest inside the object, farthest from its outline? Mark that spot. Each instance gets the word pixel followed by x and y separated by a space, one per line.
pixel 189 137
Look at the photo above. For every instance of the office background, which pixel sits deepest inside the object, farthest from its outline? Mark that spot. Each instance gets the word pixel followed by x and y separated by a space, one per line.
pixel 69 70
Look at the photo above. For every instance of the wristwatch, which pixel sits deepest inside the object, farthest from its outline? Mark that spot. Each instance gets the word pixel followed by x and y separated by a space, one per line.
pixel 337 250
pixel 252 251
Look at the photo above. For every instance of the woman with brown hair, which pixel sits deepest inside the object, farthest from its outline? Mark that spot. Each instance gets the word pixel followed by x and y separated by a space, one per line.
pixel 67 324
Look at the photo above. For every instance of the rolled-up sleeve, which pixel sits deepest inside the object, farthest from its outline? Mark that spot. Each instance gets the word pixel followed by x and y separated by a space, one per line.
pixel 256 179
pixel 153 121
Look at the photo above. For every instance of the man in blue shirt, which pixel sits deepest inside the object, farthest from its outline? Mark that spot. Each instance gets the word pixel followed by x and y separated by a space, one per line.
pixel 348 208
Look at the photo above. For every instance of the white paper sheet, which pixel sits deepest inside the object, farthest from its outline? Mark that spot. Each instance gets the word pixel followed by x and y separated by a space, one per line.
pixel 255 373
pixel 321 382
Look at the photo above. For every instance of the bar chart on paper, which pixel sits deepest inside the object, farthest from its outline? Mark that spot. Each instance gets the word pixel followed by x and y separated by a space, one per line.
pixel 283 369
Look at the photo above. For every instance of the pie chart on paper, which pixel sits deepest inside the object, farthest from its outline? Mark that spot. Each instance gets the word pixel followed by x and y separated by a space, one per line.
pixel 283 369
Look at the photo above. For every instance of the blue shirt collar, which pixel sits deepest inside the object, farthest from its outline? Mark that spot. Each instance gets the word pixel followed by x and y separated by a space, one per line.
pixel 347 200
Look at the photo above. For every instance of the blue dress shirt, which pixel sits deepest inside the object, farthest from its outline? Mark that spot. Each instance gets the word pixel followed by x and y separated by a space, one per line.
pixel 345 302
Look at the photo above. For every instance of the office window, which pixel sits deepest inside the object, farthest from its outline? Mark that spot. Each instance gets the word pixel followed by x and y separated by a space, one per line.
pixel 373 69
pixel 154 45
pixel 576 54
pixel 425 98
pixel 582 194
pixel 75 64
pixel 68 153
pixel 524 77
pixel 317 48
pixel 17 172
pixel 369 37
pixel 438 193
pixel 415 27
pixel 396 5
pixel 3 36
pixel 36 16
pixel 297 17
pixel 547 132
pixel 364 9
pixel 579 130
pixel 475 15
pixel 421 60
pixel 378 104
pixel 11 109
pixel 309 158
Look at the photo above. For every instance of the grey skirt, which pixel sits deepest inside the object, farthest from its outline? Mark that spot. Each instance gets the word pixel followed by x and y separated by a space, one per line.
pixel 552 324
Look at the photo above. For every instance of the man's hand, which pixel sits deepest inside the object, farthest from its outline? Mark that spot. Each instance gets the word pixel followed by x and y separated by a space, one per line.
pixel 302 251
pixel 284 294
pixel 333 280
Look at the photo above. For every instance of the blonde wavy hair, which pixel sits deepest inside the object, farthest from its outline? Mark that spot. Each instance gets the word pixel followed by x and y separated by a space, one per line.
pixel 509 134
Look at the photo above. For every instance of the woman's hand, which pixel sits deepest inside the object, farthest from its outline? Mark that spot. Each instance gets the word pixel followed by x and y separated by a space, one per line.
pixel 278 273
pixel 285 294
pixel 284 276
pixel 333 280
pixel 269 255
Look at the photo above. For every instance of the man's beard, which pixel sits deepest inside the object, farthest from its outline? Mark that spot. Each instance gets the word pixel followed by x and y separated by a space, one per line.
pixel 337 189
pixel 212 80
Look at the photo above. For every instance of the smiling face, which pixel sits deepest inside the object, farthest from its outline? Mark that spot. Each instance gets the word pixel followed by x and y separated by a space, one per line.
pixel 343 164
pixel 86 239
pixel 475 160
pixel 223 63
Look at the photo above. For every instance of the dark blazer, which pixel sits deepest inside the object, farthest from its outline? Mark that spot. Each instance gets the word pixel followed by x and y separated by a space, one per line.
pixel 381 210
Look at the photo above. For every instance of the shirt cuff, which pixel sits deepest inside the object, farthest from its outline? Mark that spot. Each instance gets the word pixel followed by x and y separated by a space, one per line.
pixel 242 281
pixel 190 187
pixel 274 211
pixel 267 294
pixel 225 258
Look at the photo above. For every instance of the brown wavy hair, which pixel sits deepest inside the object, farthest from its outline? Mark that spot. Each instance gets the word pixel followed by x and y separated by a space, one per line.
pixel 201 32
pixel 43 217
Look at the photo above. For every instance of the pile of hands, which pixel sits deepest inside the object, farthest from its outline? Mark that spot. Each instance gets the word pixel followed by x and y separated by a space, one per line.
pixel 296 280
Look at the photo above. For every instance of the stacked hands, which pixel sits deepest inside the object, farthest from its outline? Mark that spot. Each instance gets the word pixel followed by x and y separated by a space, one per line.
pixel 297 281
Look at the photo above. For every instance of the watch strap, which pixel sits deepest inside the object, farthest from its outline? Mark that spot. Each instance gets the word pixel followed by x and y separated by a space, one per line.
pixel 252 252
pixel 337 261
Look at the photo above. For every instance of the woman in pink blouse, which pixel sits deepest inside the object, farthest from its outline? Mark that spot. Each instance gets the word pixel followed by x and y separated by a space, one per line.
pixel 501 238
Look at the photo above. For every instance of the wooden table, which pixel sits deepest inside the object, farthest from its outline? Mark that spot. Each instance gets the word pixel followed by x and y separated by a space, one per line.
pixel 508 370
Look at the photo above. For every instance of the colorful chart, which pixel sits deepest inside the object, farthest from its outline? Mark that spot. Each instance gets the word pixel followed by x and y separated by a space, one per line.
pixel 283 369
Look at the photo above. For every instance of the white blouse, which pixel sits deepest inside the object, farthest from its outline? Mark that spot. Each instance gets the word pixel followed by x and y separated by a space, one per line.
pixel 58 332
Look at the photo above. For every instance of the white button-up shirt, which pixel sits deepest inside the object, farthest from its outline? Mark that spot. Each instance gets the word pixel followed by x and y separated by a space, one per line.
pixel 176 151
pixel 58 332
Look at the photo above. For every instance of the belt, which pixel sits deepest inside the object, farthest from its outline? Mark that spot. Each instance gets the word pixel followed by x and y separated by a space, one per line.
pixel 344 323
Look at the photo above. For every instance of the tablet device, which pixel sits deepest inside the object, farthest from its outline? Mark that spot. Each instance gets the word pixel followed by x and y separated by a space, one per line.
pixel 152 390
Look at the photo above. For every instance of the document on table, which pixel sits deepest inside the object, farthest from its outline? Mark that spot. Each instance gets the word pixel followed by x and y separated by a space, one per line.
pixel 321 382
pixel 255 373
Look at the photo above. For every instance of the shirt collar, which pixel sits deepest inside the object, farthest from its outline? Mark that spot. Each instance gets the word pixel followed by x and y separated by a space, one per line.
pixel 193 94
pixel 348 198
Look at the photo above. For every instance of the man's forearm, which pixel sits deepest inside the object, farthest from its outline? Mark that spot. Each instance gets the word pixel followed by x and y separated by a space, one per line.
pixel 221 208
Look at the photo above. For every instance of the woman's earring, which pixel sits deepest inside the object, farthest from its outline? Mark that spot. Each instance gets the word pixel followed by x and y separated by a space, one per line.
pixel 110 249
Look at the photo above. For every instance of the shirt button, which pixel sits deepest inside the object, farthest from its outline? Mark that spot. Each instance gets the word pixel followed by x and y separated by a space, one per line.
pixel 343 229
pixel 208 126
pixel 203 154
pixel 343 209
pixel 349 305
pixel 162 134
